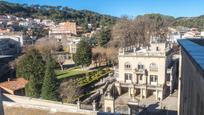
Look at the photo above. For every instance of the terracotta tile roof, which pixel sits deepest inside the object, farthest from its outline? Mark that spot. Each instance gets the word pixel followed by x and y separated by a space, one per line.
pixel 14 84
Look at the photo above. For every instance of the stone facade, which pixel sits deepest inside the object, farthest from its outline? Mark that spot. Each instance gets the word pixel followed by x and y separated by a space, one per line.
pixel 63 30
pixel 143 71
pixel 109 104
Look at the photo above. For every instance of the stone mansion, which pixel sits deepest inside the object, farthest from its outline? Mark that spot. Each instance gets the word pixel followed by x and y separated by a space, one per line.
pixel 145 71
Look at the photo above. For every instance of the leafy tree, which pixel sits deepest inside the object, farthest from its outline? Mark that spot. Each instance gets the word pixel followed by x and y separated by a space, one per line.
pixel 49 88
pixel 83 54
pixel 31 67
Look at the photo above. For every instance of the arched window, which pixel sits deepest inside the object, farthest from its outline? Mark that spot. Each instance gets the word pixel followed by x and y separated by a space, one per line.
pixel 153 67
pixel 127 65
pixel 140 66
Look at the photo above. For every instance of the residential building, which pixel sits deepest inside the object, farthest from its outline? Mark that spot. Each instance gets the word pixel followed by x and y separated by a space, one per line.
pixel 14 87
pixel 192 34
pixel 144 71
pixel 18 37
pixel 191 78
pixel 11 42
pixel 48 23
pixel 183 33
pixel 63 30
pixel 72 45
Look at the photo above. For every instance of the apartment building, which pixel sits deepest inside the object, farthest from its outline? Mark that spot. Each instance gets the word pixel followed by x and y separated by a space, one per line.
pixel 191 78
pixel 144 71
pixel 64 29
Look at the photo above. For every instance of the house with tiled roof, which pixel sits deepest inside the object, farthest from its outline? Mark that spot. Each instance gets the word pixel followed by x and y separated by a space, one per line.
pixel 14 86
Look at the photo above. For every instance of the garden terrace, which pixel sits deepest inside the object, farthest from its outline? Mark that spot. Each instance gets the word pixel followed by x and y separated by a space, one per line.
pixel 73 72
pixel 86 79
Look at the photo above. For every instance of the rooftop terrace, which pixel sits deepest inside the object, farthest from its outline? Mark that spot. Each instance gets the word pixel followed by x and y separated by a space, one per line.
pixel 156 49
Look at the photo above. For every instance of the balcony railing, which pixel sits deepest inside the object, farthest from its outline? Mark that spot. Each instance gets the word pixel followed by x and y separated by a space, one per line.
pixel 148 86
pixel 141 71
pixel 153 69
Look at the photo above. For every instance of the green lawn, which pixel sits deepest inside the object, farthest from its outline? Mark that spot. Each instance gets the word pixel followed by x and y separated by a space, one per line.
pixel 70 72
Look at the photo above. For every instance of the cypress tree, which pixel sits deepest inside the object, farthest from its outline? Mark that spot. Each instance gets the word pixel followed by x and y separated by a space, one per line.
pixel 49 88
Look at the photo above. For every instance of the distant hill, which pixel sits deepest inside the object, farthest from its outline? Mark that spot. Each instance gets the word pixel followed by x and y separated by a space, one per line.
pixel 197 22
pixel 56 13
pixel 191 22
pixel 83 17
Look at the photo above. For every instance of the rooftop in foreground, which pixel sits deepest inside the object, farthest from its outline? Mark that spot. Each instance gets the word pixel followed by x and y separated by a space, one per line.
pixel 195 50
pixel 32 106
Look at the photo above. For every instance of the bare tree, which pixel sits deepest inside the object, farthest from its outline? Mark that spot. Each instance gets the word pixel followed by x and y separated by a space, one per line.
pixel 47 45
pixel 140 31
pixel 101 54
pixel 60 59
pixel 69 90
pixel 121 31
pixel 112 55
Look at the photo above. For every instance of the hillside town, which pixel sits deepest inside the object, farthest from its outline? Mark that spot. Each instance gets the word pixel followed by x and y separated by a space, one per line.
pixel 139 66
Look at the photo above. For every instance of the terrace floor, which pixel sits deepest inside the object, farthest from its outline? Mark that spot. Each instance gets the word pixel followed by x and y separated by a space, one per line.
pixel 169 103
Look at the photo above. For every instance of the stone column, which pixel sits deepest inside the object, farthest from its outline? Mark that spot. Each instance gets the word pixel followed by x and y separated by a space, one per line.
pixel 78 104
pixel 129 91
pixel 156 94
pixel 94 105
pixel 109 103
pixel 119 89
pixel 141 93
pixel 145 93
pixel 129 111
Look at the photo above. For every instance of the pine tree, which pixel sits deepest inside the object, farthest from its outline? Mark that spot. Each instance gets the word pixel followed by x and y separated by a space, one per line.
pixel 85 25
pixel 103 37
pixel 83 54
pixel 49 88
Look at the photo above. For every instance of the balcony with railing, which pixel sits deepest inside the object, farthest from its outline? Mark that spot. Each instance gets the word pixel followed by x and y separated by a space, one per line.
pixel 139 71
pixel 142 85
pixel 153 69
